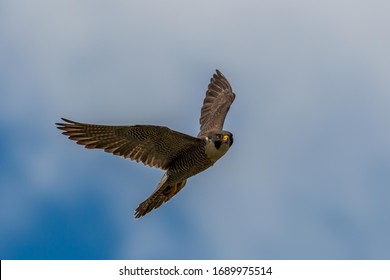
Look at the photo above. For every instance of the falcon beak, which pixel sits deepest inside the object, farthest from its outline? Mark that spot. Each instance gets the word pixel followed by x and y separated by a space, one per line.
pixel 225 138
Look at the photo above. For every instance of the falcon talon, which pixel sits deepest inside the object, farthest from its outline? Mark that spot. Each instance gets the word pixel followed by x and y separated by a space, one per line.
pixel 180 155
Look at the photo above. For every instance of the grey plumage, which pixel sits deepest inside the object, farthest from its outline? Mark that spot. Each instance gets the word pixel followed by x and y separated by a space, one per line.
pixel 219 97
pixel 181 155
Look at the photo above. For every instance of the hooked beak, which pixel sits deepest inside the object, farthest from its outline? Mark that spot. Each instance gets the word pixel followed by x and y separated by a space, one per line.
pixel 225 138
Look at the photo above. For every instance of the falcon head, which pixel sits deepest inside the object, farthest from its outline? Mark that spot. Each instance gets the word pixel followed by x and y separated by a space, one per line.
pixel 217 144
pixel 221 138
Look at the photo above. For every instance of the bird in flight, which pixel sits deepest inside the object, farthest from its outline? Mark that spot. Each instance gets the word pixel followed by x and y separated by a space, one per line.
pixel 179 155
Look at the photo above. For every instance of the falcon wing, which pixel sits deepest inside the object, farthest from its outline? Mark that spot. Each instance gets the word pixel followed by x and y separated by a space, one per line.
pixel 219 97
pixel 155 146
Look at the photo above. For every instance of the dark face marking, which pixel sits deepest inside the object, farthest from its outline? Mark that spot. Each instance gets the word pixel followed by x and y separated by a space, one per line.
pixel 217 144
pixel 219 138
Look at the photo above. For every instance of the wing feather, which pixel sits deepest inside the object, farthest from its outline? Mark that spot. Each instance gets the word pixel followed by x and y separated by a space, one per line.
pixel 154 146
pixel 219 97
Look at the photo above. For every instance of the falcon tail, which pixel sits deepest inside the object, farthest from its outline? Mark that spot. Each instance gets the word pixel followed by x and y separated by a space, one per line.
pixel 163 193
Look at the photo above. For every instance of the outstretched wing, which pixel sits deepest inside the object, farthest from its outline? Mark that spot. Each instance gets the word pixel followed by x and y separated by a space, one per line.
pixel 153 145
pixel 219 97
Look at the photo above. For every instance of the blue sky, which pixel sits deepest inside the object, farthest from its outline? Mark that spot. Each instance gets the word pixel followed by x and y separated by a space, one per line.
pixel 308 174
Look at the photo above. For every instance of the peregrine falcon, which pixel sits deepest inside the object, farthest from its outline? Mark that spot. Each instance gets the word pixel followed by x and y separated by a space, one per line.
pixel 180 155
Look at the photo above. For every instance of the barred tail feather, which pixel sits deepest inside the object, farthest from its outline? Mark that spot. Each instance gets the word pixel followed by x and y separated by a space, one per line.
pixel 162 194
